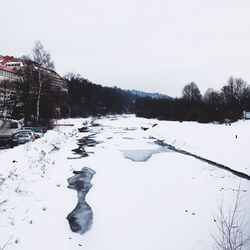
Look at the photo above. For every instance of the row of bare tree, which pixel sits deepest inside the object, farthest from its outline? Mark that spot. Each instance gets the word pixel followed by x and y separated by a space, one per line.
pixel 34 98
pixel 227 103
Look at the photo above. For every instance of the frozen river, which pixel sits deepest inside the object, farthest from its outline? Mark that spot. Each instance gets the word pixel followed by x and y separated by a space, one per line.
pixel 143 196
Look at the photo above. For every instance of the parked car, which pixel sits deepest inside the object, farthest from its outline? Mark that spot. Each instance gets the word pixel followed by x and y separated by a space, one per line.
pixel 24 136
pixel 36 129
pixel 8 141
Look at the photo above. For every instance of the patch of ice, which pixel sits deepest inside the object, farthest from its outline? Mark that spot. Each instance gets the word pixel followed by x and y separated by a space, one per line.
pixel 142 155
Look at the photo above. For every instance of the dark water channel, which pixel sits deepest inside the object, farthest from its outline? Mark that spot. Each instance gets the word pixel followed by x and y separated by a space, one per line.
pixel 86 141
pixel 81 218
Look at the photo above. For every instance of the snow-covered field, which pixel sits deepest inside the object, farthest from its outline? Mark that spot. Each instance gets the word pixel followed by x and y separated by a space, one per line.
pixel 144 197
pixel 227 145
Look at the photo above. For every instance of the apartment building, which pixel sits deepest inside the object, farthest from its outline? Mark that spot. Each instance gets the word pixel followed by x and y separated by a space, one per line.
pixel 12 70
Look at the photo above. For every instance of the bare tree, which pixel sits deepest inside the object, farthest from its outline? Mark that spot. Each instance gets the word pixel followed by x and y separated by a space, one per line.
pixel 231 227
pixel 233 92
pixel 71 75
pixel 191 92
pixel 43 58
pixel 211 97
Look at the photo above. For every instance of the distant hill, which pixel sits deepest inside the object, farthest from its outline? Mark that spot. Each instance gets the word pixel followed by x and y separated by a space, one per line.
pixel 146 94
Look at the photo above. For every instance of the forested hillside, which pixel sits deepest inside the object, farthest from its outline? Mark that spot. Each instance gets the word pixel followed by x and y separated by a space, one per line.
pixel 86 98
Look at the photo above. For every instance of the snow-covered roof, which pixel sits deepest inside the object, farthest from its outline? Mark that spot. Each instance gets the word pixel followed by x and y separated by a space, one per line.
pixel 7 69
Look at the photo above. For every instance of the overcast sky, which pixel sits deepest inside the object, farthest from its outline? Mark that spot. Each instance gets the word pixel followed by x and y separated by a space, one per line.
pixel 152 45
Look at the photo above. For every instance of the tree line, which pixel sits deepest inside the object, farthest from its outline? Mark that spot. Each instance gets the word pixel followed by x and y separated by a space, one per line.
pixel 83 98
pixel 226 104
pixel 86 98
pixel 34 99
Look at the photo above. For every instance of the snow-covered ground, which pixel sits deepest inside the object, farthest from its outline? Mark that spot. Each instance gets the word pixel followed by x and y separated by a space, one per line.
pixel 221 143
pixel 144 197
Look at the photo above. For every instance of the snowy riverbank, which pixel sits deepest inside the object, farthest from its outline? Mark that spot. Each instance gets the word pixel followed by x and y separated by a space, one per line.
pixel 143 196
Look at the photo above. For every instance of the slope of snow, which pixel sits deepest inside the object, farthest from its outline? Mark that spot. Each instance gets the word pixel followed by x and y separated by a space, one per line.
pixel 226 145
pixel 160 202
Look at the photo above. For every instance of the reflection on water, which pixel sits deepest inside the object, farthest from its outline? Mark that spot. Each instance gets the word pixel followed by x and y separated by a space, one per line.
pixel 81 218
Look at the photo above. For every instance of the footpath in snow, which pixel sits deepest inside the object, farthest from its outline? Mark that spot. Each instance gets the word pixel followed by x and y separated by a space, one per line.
pixel 143 196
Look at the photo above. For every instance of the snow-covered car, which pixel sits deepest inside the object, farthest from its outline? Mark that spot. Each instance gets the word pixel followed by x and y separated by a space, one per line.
pixel 36 129
pixel 24 136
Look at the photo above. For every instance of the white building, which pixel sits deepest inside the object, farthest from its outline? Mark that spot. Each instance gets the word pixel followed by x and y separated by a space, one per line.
pixel 11 69
pixel 8 74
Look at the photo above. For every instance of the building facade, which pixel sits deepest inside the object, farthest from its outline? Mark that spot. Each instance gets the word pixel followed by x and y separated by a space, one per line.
pixel 12 71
